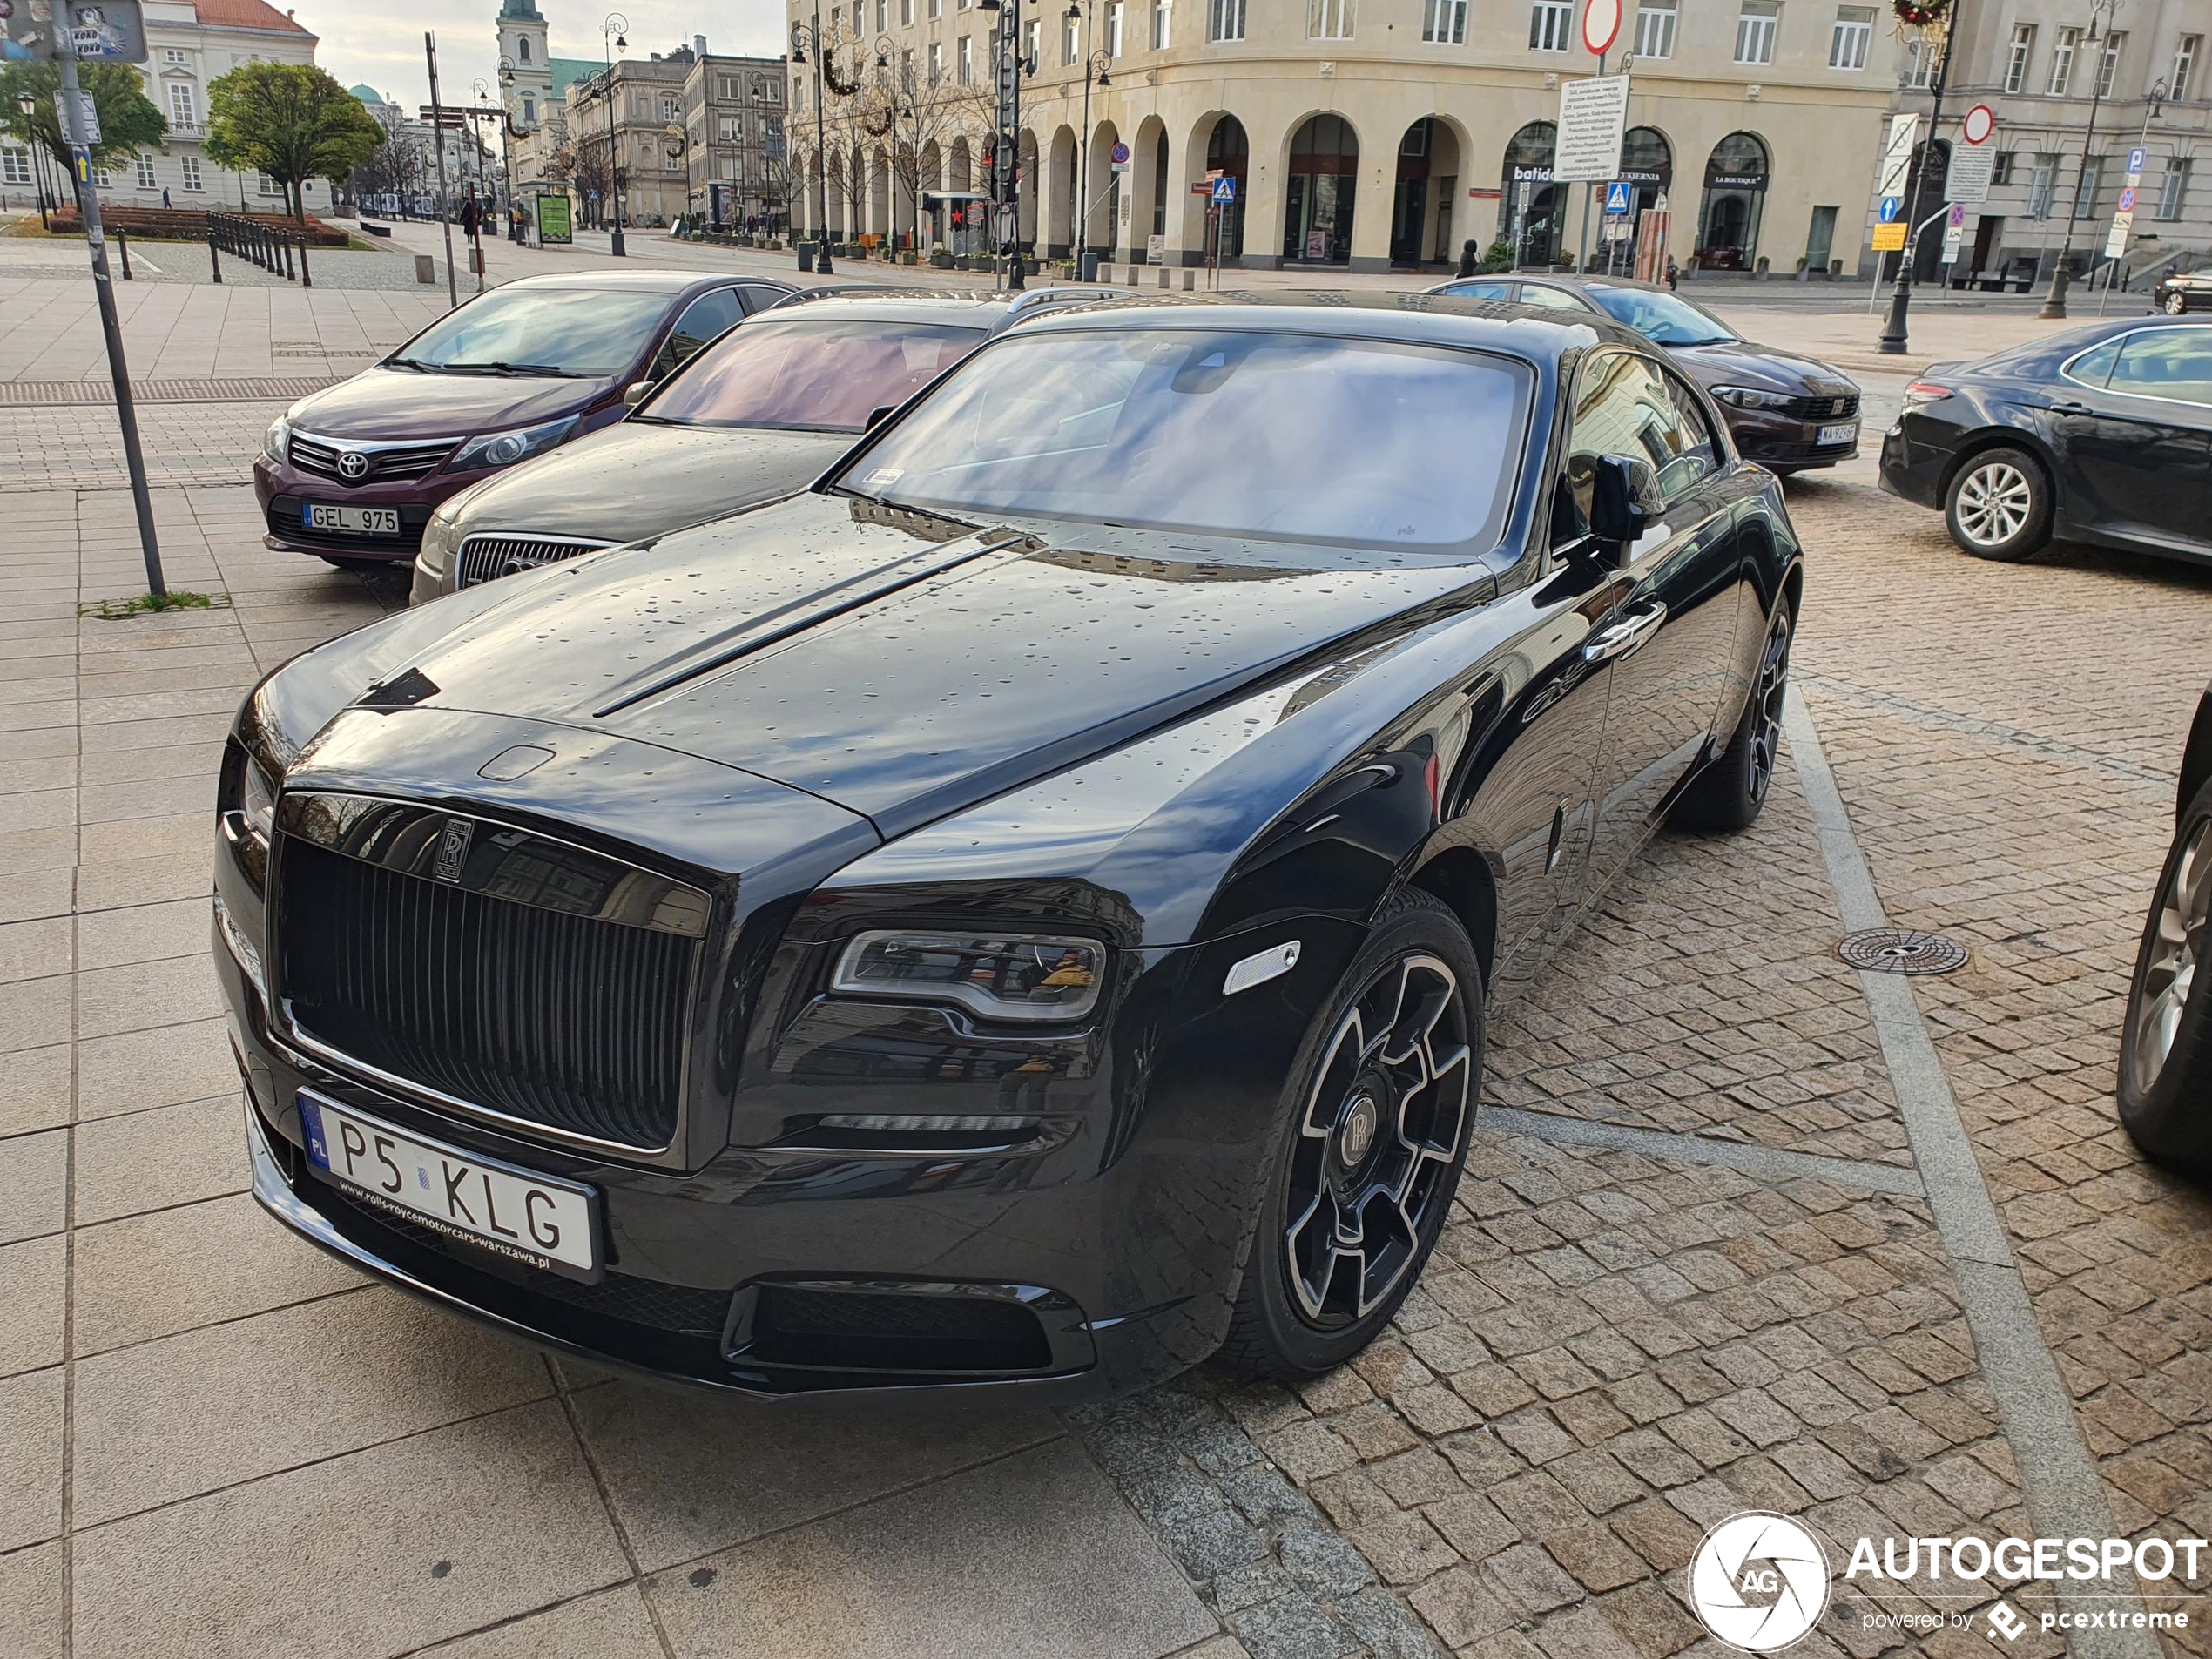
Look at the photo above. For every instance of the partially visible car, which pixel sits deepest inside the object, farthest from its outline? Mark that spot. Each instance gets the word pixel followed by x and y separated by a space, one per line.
pixel 352 473
pixel 2166 1038
pixel 2182 291
pixel 760 414
pixel 1786 411
pixel 2099 433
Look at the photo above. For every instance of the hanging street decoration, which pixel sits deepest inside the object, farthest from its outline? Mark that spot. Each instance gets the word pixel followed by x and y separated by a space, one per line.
pixel 1920 14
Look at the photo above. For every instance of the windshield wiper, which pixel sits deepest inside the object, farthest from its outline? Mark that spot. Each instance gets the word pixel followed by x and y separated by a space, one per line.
pixel 409 362
pixel 512 368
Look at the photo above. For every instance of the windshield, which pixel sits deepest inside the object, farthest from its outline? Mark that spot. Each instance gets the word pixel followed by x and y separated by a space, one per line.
pixel 539 331
pixel 1288 437
pixel 1663 319
pixel 818 375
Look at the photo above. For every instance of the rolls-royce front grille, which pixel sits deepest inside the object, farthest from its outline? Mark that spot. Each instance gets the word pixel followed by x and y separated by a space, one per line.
pixel 326 460
pixel 572 1022
pixel 486 558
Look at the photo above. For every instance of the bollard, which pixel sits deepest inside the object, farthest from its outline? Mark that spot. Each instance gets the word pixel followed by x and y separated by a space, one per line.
pixel 1163 276
pixel 214 258
pixel 425 268
pixel 123 241
pixel 1190 279
pixel 306 281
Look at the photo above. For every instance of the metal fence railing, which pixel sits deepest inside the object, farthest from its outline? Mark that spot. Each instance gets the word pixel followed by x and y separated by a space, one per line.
pixel 274 251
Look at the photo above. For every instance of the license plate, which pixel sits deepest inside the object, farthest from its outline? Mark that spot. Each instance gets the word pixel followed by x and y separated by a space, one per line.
pixel 352 521
pixel 1843 434
pixel 516 1213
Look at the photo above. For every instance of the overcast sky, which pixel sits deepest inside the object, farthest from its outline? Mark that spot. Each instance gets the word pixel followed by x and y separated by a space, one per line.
pixel 380 40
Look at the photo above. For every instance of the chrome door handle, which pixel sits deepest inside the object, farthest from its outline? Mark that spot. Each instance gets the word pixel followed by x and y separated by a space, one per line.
pixel 1622 637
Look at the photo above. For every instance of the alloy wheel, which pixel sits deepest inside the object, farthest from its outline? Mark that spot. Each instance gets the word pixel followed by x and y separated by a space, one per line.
pixel 1994 501
pixel 1773 689
pixel 2169 965
pixel 1378 1140
pixel 2176 304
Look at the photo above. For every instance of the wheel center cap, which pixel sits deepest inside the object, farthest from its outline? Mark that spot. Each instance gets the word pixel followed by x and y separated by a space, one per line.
pixel 1356 1133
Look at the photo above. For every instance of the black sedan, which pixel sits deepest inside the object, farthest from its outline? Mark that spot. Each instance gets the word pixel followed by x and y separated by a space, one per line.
pixel 1789 412
pixel 2166 1042
pixel 1021 911
pixel 2101 433
pixel 2182 291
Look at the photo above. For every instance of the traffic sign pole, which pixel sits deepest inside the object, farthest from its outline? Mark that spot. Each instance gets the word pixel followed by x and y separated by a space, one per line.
pixel 69 112
pixel 1893 342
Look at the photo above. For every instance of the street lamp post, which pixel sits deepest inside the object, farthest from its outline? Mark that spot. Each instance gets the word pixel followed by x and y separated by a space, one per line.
pixel 886 61
pixel 1095 65
pixel 804 39
pixel 1893 342
pixel 616 27
pixel 2054 301
pixel 507 148
pixel 681 145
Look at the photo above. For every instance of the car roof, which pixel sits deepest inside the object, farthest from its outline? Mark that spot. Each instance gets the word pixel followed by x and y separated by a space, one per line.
pixel 886 302
pixel 1528 331
pixel 633 281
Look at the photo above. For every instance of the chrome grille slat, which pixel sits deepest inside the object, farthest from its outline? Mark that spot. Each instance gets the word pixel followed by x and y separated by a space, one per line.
pixel 487 558
pixel 386 462
pixel 569 1022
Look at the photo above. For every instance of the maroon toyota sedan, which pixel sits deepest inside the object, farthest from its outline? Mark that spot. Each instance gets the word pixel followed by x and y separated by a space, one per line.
pixel 352 473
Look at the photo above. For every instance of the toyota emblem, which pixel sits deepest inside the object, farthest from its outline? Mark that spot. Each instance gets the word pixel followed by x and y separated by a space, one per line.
pixel 353 464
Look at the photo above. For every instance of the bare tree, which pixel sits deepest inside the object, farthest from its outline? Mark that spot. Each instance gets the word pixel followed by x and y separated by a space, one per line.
pixel 395 167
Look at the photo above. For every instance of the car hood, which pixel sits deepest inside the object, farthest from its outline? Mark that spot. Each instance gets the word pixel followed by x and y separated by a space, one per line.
pixel 1765 368
pixel 636 479
pixel 897 663
pixel 381 403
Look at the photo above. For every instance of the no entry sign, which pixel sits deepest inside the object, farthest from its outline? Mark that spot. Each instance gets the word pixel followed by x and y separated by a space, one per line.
pixel 1601 25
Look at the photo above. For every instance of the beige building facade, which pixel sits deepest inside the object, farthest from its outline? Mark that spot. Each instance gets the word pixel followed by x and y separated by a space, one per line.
pixel 1373 134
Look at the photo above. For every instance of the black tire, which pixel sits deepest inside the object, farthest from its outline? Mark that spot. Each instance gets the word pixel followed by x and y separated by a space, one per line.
pixel 1998 505
pixel 1727 795
pixel 2176 304
pixel 2165 1040
pixel 1418 945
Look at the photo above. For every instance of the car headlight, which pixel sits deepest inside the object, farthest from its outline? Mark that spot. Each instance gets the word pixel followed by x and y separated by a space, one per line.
pixel 505 448
pixel 257 801
pixel 999 976
pixel 1745 397
pixel 435 557
pixel 274 439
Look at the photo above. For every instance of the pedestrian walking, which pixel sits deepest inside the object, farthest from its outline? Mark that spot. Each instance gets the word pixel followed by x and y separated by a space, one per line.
pixel 164 195
pixel 472 216
pixel 1674 273
pixel 1467 258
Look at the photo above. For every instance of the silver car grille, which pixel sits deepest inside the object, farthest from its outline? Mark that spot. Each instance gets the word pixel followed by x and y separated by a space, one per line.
pixel 486 558
pixel 383 464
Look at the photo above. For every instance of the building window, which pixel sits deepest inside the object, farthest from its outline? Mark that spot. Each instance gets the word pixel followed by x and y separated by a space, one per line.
pixel 191 166
pixel 1224 20
pixel 178 55
pixel 146 180
pixel 1163 23
pixel 1919 64
pixel 2174 189
pixel 1032 44
pixel 2000 169
pixel 15 167
pixel 1114 28
pixel 730 130
pixel 936 62
pixel 670 109
pixel 1655 29
pixel 905 14
pixel 725 88
pixel 522 51
pixel 2092 180
pixel 103 178
pixel 181 107
pixel 1550 22
pixel 529 111
pixel 936 10
pixel 2069 42
pixel 2043 185
pixel 964 61
pixel 1328 19
pixel 1444 23
pixel 1755 27
pixel 263 185
pixel 882 17
pixel 1068 27
pixel 1854 32
pixel 2109 65
pixel 2185 52
pixel 2018 57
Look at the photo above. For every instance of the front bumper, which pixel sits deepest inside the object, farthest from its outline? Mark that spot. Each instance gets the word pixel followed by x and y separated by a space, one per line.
pixel 282 490
pixel 1781 441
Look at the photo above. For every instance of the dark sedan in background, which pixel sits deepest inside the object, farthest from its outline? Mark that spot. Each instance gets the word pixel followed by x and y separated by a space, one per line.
pixel 2182 292
pixel 2101 433
pixel 760 414
pixel 352 472
pixel 1786 411
pixel 1020 912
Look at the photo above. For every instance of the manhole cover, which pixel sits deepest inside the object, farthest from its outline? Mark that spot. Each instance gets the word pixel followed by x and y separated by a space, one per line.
pixel 1897 950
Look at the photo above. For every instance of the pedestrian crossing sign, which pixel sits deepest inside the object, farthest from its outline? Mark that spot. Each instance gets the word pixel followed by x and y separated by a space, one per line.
pixel 1616 197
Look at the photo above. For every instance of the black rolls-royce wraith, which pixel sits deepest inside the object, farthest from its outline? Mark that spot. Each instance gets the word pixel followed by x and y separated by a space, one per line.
pixel 1021 911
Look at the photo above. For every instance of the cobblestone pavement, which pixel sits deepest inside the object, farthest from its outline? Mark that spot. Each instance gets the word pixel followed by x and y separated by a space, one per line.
pixel 1699 1263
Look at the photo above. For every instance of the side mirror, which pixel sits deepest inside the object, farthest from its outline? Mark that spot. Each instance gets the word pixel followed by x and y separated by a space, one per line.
pixel 876 417
pixel 1624 493
pixel 634 394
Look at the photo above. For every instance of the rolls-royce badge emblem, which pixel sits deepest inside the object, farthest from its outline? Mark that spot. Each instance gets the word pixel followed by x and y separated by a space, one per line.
pixel 353 464
pixel 453 849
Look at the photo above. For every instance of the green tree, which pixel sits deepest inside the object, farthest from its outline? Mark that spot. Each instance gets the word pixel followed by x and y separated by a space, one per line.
pixel 129 121
pixel 290 121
